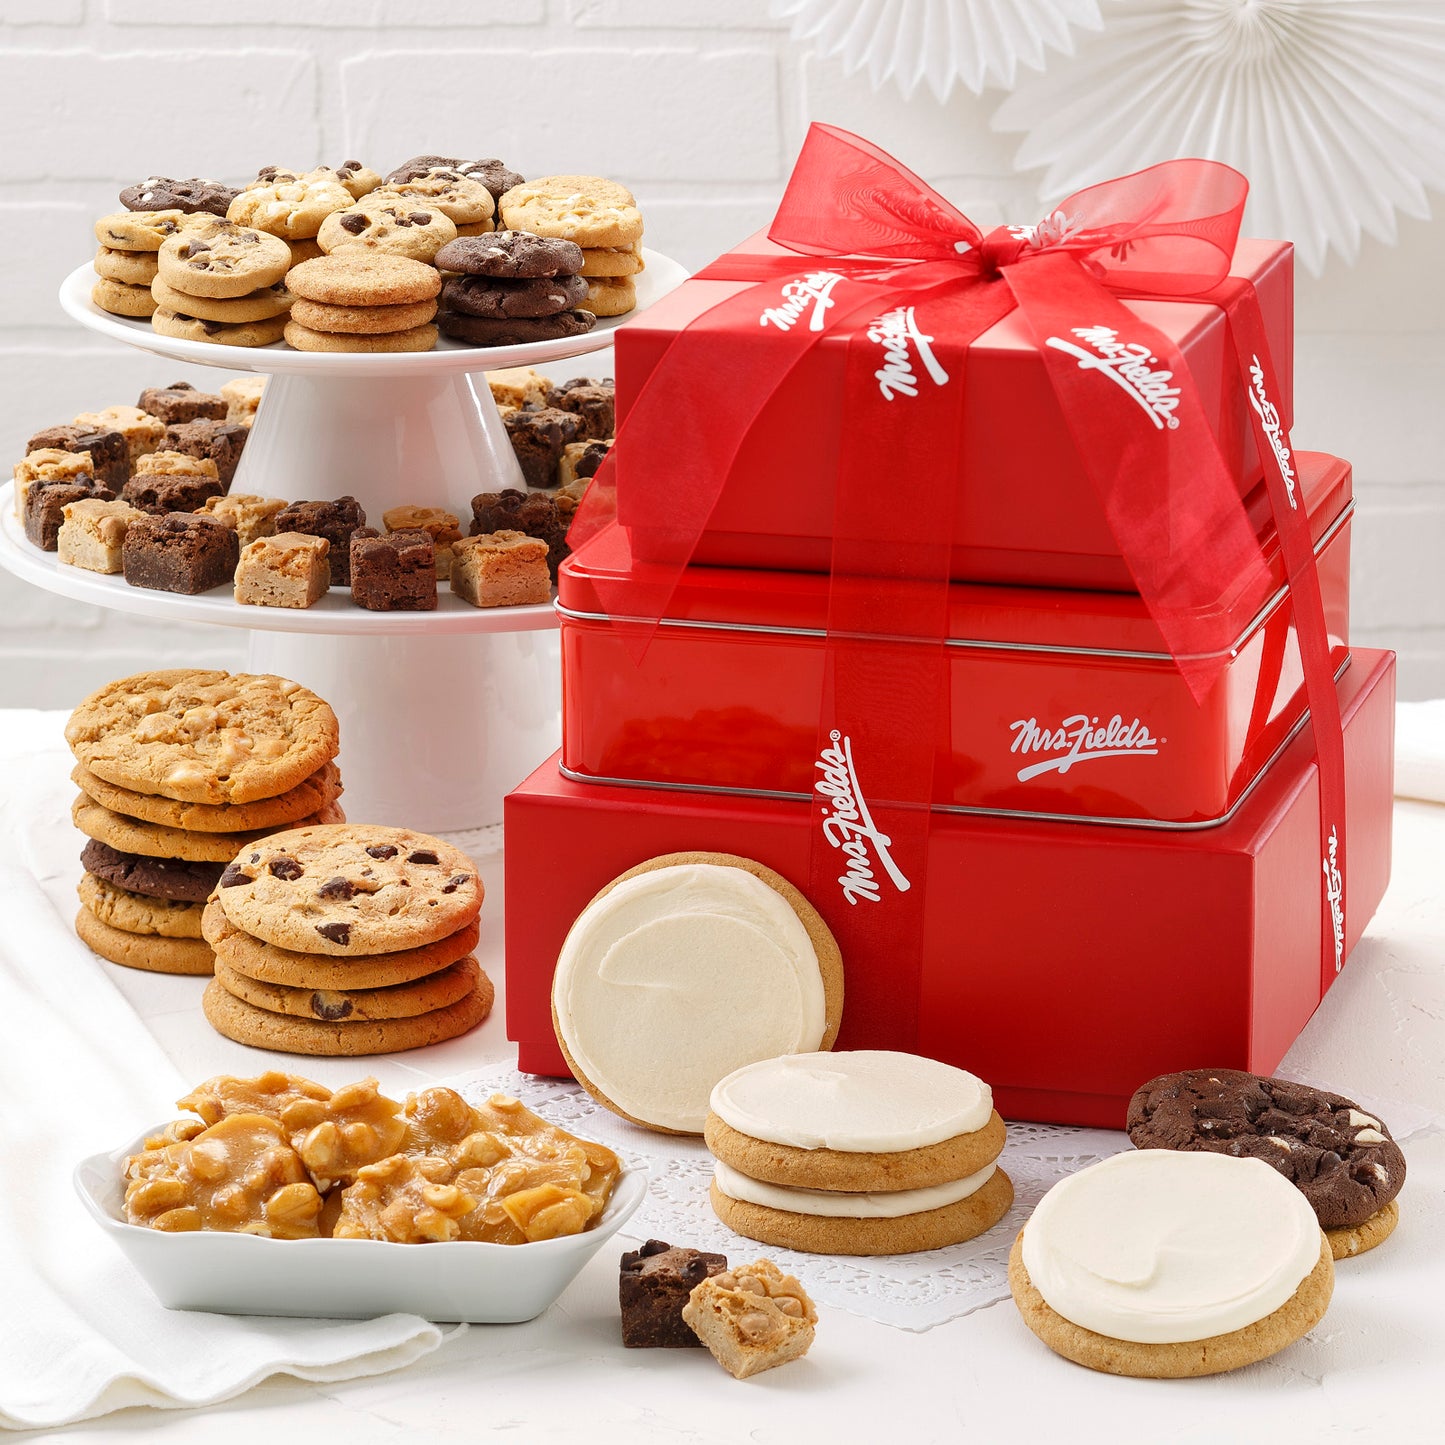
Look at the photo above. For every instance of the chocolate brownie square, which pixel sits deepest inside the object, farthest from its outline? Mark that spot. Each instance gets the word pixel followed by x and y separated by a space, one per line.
pixel 393 571
pixel 514 511
pixel 219 441
pixel 45 504
pixel 179 552
pixel 181 402
pixel 594 404
pixel 336 521
pixel 161 492
pixel 653 1284
pixel 109 450
pixel 537 438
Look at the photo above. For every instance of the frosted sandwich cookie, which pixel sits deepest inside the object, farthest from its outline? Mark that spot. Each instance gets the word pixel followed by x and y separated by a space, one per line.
pixel 1166 1265
pixel 869 1152
pixel 684 969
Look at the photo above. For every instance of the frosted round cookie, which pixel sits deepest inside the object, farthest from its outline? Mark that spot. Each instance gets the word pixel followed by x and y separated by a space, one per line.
pixel 861 1120
pixel 1165 1264
pixel 684 969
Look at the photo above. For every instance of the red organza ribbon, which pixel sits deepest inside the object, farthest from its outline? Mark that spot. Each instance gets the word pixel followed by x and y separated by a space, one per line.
pixel 895 261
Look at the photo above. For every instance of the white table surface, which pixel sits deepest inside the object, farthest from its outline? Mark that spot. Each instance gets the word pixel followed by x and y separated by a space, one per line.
pixel 1370 1371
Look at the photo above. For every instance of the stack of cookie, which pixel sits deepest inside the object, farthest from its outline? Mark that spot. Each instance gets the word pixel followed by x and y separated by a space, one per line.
pixel 601 216
pixel 363 300
pixel 177 770
pixel 221 282
pixel 346 940
pixel 512 287
pixel 868 1152
pixel 155 209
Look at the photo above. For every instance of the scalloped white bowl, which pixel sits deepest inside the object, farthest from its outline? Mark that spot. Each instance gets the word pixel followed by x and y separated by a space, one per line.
pixel 244 1274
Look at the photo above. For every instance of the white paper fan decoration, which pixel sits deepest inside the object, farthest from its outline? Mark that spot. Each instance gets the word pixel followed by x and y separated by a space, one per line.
pixel 1334 109
pixel 979 42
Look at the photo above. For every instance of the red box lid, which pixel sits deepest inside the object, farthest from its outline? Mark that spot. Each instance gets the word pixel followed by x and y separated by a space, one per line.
pixel 1024 616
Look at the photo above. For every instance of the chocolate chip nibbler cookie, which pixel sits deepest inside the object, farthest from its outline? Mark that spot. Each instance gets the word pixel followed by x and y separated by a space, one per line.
pixel 346 940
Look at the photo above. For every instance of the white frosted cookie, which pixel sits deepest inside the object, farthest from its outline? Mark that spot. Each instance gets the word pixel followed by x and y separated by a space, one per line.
pixel 1160 1263
pixel 681 971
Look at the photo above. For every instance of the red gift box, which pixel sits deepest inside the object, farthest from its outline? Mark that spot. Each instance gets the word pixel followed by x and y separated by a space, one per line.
pixel 1065 704
pixel 1026 511
pixel 1064 963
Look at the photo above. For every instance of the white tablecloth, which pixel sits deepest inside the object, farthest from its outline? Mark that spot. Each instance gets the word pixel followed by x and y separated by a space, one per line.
pixel 1369 1372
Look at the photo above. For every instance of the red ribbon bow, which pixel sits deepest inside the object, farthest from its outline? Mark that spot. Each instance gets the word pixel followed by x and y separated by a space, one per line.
pixel 893 253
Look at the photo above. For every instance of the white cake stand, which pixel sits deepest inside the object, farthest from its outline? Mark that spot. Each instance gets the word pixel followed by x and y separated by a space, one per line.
pixel 441 713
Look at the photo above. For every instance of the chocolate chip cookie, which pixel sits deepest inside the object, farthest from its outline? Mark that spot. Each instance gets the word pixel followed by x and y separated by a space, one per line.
pixel 466 201
pixel 160 193
pixel 511 256
pixel 229 261
pixel 1342 1159
pixel 395 224
pixel 350 889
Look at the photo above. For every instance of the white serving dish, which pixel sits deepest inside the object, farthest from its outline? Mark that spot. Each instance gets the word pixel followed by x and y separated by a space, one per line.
pixel 244 1274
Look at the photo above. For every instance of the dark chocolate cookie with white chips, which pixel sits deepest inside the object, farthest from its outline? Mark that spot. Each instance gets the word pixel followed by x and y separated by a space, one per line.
pixel 492 173
pixel 1341 1158
pixel 486 296
pixel 160 193
pixel 511 255
pixel 169 878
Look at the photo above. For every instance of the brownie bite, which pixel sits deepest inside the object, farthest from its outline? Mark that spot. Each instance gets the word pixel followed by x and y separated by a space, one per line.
pixel 653 1284
pixel 161 492
pixel 393 571
pixel 92 533
pixel 217 441
pixel 593 403
pixel 181 402
pixel 179 552
pixel 335 520
pixel 537 438
pixel 580 460
pixel 501 569
pixel 45 504
pixel 514 511
pixel 108 450
pixel 286 569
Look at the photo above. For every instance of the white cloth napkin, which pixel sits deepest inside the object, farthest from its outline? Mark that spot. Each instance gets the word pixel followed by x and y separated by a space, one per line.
pixel 80 1332
pixel 1420 750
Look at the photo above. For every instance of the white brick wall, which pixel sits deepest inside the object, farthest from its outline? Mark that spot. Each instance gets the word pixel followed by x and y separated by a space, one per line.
pixel 700 104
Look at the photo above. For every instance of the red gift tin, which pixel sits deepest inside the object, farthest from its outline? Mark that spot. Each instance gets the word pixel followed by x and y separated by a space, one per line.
pixel 1061 704
pixel 1026 511
pixel 1064 963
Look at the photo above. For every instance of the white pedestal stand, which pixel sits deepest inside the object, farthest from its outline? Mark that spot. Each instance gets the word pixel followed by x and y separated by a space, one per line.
pixel 441 713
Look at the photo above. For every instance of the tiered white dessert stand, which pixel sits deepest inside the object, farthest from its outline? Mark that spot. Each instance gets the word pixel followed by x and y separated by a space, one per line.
pixel 441 712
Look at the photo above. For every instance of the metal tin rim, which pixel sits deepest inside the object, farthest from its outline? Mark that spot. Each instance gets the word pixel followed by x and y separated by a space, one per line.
pixel 957 809
pixel 980 644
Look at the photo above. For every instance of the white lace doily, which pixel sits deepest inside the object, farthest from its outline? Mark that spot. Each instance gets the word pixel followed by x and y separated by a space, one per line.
pixel 908 1291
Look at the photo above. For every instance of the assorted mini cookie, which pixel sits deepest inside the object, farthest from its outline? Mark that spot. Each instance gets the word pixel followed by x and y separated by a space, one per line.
pixel 208 262
pixel 363 300
pixel 711 962
pixel 1168 1264
pixel 1341 1158
pixel 346 940
pixel 159 758
pixel 869 1152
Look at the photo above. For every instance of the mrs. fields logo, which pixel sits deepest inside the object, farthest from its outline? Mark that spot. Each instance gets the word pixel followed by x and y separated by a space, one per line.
pixel 849 826
pixel 815 291
pixel 1273 428
pixel 1130 366
pixel 1335 896
pixel 1080 739
pixel 901 337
